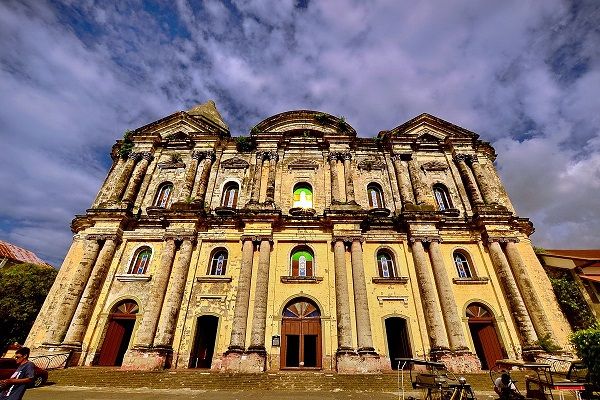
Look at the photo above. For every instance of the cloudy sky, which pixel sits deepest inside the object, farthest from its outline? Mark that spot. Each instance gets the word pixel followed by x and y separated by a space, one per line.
pixel 74 75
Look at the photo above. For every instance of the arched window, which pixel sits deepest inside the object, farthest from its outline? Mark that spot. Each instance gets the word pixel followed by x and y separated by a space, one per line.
pixel 230 195
pixel 163 197
pixel 303 196
pixel 462 265
pixel 139 264
pixel 218 263
pixel 375 195
pixel 302 262
pixel 385 264
pixel 441 197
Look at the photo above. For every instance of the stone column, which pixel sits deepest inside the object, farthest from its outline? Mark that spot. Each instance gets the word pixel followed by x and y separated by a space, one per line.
pixel 66 308
pixel 421 190
pixel 270 196
pixel 259 319
pixel 138 176
pixel 444 288
pixel 513 297
pixel 438 339
pixel 403 179
pixel 256 178
pixel 107 188
pixel 342 306
pixel 204 175
pixel 123 180
pixel 240 312
pixel 468 179
pixel 348 178
pixel 190 176
pixel 532 302
pixel 483 181
pixel 495 182
pixel 86 305
pixel 363 319
pixel 172 302
pixel 335 190
pixel 147 329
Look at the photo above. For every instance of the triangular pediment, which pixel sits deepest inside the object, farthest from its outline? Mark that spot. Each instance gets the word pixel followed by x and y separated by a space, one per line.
pixel 235 163
pixel 182 122
pixel 427 128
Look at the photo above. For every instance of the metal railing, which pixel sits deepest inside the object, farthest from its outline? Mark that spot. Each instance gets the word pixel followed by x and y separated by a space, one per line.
pixel 52 361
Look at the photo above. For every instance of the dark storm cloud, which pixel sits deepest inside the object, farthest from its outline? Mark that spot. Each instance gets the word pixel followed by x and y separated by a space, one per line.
pixel 75 74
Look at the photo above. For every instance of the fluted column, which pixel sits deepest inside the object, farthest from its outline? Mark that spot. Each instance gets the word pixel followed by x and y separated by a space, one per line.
pixel 63 315
pixel 257 178
pixel 204 175
pixel 438 338
pixel 348 178
pixel 335 190
pixel 86 305
pixel 123 180
pixel 421 190
pixel 444 288
pixel 259 317
pixel 342 306
pixel 156 295
pixel 138 175
pixel 270 195
pixel 532 302
pixel 512 296
pixel 172 303
pixel 483 181
pixel 240 312
pixel 468 179
pixel 363 319
pixel 190 176
pixel 403 179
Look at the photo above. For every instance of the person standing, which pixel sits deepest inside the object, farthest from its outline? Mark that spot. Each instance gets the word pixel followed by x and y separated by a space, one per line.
pixel 14 387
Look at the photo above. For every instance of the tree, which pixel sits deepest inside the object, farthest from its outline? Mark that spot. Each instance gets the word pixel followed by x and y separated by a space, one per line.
pixel 23 288
pixel 587 345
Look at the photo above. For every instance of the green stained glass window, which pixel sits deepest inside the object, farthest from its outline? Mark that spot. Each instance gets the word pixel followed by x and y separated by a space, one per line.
pixel 303 197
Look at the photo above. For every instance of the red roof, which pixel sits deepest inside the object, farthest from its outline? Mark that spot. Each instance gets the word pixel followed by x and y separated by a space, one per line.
pixel 17 253
pixel 593 254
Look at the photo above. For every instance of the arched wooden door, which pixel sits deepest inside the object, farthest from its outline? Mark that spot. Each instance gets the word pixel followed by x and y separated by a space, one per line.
pixel 485 338
pixel 121 322
pixel 301 335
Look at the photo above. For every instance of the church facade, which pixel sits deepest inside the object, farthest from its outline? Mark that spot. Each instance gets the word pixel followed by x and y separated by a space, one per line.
pixel 301 246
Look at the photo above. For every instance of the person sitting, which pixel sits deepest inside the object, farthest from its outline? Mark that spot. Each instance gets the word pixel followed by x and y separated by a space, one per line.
pixel 506 389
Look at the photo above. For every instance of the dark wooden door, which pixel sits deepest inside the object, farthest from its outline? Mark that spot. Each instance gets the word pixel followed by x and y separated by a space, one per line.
pixel 116 341
pixel 487 345
pixel 204 343
pixel 301 337
pixel 397 339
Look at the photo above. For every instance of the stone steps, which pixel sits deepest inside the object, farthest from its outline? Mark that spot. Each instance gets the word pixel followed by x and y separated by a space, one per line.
pixel 212 381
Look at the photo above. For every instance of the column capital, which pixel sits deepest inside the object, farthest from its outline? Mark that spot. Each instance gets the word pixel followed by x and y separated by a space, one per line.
pixel 134 156
pixel 203 154
pixel 502 239
pixel 425 239
pixel 347 238
pixel 347 156
pixel 257 238
pixel 333 156
pixel 462 157
pixel 146 155
pixel 180 237
pixel 103 236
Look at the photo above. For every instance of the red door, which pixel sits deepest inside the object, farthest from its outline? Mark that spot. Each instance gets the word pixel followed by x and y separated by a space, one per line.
pixel 485 339
pixel 118 334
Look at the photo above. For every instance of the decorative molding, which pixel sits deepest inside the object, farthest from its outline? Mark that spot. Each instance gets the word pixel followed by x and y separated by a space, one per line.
pixel 502 239
pixel 347 239
pixel 234 163
pixel 425 239
pixel 257 238
pixel 403 299
pixel 133 277
pixel 371 164
pixel 104 236
pixel 396 280
pixel 304 164
pixel 434 166
pixel 191 236
pixel 471 281
pixel 169 165
pixel 301 279
pixel 213 279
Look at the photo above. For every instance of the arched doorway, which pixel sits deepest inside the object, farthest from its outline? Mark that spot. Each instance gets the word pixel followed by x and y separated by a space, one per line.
pixel 301 335
pixel 121 322
pixel 485 339
pixel 204 343
pixel 396 331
